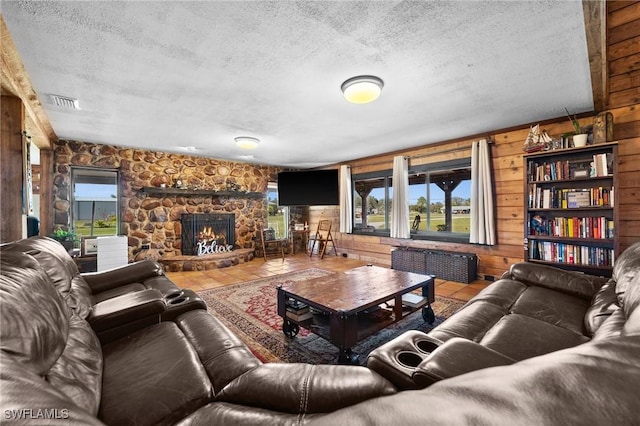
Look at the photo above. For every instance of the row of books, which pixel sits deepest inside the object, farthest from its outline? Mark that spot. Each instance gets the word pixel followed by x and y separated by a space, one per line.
pixel 297 310
pixel 570 253
pixel 555 198
pixel 599 165
pixel 573 227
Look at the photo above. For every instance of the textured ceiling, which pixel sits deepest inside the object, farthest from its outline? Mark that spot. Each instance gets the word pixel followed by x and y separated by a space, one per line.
pixel 173 74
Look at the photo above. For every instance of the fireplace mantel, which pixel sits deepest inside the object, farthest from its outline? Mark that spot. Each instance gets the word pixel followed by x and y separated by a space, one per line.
pixel 160 192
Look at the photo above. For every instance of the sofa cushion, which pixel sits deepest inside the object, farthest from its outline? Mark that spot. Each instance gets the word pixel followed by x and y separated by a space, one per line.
pixel 34 323
pixel 570 282
pixel 223 413
pixel 305 388
pixel 41 331
pixel 25 393
pixel 559 309
pixel 152 377
pixel 632 307
pixel 503 293
pixel 78 371
pixel 626 267
pixel 222 353
pixel 611 326
pixel 60 268
pixel 603 304
pixel 472 322
pixel 521 337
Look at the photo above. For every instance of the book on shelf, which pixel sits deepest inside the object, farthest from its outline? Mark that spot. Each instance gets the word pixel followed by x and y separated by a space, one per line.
pixel 546 198
pixel 573 227
pixel 576 199
pixel 299 316
pixel 571 253
pixel 413 300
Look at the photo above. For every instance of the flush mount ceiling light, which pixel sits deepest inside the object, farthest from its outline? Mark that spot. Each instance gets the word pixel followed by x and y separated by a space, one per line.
pixel 247 142
pixel 362 89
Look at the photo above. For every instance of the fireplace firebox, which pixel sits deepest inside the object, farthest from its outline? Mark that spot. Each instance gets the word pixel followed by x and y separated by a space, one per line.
pixel 210 229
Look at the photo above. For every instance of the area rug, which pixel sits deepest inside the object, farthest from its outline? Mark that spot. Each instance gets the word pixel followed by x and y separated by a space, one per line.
pixel 250 310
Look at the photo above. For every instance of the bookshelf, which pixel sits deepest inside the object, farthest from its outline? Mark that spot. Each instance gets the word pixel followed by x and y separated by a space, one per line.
pixel 570 204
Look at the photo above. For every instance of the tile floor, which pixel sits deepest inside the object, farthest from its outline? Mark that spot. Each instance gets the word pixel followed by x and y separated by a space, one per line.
pixel 259 268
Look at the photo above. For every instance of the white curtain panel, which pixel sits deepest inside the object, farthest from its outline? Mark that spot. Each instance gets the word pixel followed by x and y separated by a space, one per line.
pixel 346 204
pixel 482 220
pixel 400 202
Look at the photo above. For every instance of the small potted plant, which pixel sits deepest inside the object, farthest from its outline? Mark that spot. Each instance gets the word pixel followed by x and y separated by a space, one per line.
pixel 579 137
pixel 66 238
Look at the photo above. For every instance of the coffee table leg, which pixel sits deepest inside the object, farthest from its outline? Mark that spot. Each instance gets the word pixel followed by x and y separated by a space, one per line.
pixel 347 356
pixel 428 315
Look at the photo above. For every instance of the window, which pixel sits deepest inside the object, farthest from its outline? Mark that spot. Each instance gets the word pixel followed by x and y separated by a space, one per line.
pixel 94 202
pixel 439 201
pixel 440 194
pixel 372 194
pixel 277 216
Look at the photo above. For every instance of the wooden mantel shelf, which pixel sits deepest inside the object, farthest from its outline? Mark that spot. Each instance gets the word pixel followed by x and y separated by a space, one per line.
pixel 159 192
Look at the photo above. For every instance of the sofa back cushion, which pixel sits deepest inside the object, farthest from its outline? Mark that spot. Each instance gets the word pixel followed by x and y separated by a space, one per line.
pixel 34 319
pixel 570 282
pixel 626 267
pixel 39 330
pixel 603 304
pixel 60 268
pixel 631 307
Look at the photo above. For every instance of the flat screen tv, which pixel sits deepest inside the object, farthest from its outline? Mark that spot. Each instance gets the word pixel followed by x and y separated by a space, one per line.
pixel 308 188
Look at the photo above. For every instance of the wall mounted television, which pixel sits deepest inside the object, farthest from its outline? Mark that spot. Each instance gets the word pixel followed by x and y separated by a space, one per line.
pixel 308 188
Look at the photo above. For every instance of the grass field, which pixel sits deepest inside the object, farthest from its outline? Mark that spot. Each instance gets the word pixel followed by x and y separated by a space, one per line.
pixel 461 222
pixel 83 228
pixel 277 222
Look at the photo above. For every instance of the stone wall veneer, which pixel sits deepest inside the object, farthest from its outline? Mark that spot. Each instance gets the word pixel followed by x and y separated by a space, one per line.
pixel 155 220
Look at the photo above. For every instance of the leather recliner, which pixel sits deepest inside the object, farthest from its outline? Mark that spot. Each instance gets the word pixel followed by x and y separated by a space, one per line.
pixel 189 368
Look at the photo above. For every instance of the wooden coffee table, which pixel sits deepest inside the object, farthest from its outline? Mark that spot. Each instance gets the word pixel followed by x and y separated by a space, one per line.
pixel 346 305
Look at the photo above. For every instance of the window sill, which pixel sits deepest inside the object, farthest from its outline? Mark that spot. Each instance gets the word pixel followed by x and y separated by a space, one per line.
pixel 442 237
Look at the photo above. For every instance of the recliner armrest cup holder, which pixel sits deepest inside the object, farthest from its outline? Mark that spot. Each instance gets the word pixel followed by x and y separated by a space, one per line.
pixel 398 359
pixel 412 358
pixel 174 295
pixel 408 359
pixel 181 301
pixel 178 301
pixel 426 346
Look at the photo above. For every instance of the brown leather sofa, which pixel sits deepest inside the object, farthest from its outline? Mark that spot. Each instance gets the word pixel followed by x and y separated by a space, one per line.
pixel 183 367
pixel 532 310
pixel 479 368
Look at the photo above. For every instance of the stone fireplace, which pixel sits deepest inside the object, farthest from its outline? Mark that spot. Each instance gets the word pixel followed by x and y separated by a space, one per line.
pixel 206 228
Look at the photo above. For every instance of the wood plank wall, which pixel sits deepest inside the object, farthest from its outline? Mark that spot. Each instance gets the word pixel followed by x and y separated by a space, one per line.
pixel 623 68
pixel 11 122
pixel 623 45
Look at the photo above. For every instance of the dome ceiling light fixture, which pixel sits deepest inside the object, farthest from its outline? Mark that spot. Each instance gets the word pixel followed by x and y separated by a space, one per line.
pixel 247 142
pixel 362 89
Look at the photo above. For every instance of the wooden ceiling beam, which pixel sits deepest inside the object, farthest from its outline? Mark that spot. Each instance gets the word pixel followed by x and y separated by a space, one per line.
pixel 595 19
pixel 15 82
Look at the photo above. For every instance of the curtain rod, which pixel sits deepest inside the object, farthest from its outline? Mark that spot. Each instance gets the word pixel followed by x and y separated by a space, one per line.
pixel 444 151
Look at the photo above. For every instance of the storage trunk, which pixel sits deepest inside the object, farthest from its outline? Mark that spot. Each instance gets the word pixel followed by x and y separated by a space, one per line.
pixel 450 266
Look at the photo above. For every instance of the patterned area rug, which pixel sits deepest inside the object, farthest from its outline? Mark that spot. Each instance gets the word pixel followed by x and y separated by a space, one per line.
pixel 249 310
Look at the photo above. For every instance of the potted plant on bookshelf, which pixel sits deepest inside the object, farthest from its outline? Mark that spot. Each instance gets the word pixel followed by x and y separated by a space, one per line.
pixel 66 238
pixel 580 137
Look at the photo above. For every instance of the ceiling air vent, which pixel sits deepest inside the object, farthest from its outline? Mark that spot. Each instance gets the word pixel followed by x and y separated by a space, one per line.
pixel 64 102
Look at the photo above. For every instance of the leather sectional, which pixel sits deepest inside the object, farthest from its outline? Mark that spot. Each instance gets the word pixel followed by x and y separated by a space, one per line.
pixel 147 365
pixel 539 346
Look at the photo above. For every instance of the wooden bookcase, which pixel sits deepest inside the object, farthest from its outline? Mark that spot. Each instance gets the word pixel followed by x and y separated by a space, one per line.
pixel 570 198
